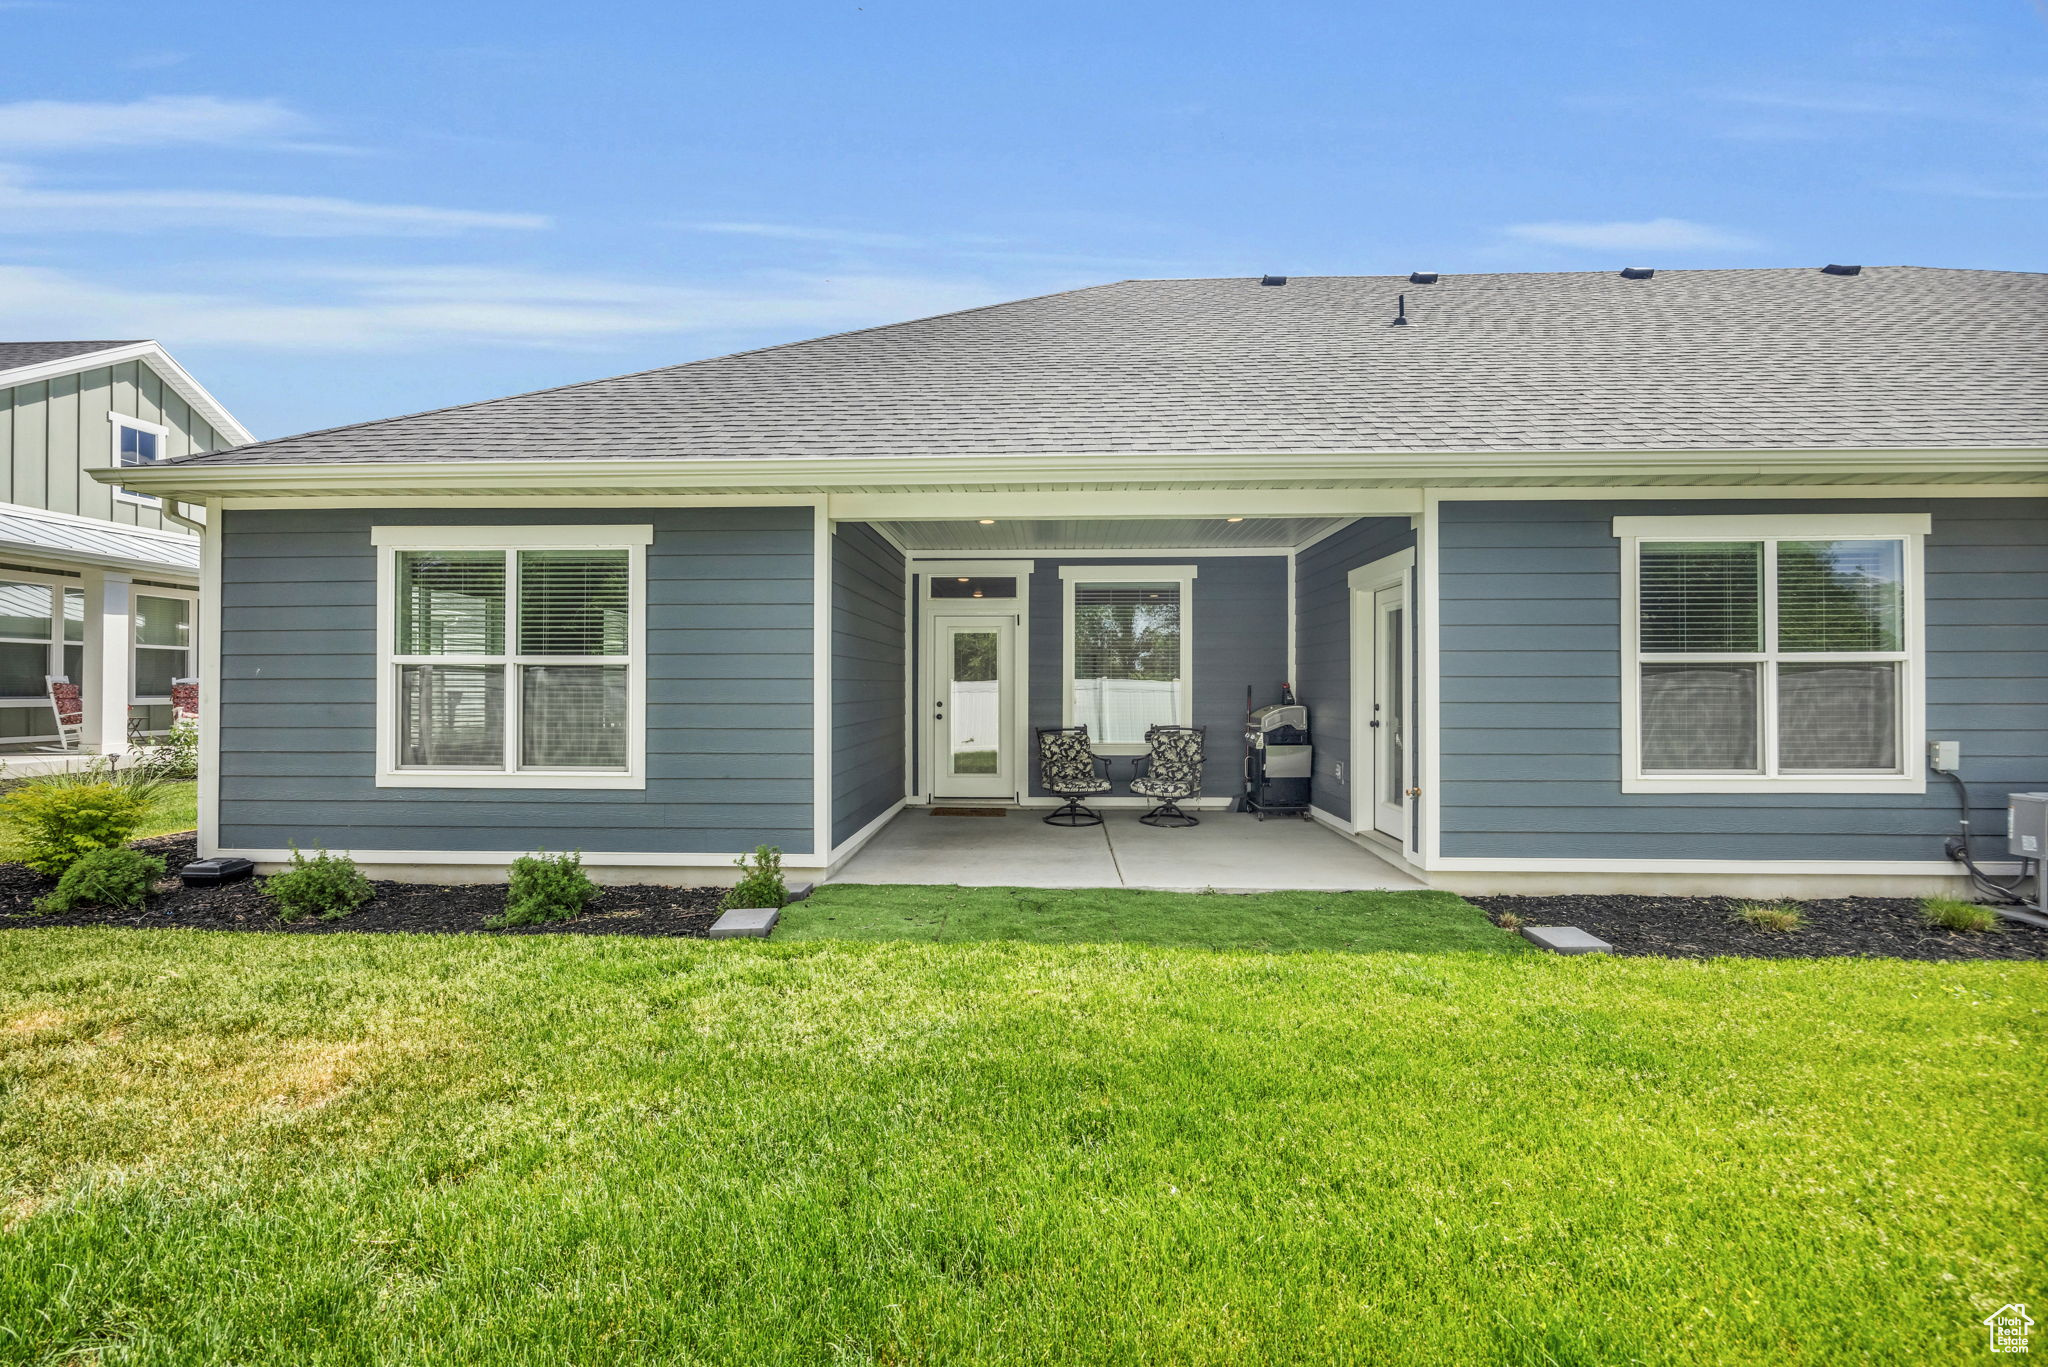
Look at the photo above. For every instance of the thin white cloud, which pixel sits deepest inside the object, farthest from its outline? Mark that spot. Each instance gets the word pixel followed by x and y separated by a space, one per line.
pixel 1967 187
pixel 1655 234
pixel 28 207
pixel 360 309
pixel 157 121
pixel 790 232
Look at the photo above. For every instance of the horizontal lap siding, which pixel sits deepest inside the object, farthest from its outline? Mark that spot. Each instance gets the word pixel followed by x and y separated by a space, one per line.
pixel 729 693
pixel 1322 644
pixel 1237 627
pixel 1531 687
pixel 868 611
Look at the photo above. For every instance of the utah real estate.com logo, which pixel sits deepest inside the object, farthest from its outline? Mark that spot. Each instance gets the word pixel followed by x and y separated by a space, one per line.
pixel 2009 1328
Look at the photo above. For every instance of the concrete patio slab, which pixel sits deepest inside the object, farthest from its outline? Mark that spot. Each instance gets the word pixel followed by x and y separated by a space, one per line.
pixel 1228 852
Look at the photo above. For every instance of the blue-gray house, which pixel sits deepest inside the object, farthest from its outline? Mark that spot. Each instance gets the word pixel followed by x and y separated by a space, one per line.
pixel 1652 580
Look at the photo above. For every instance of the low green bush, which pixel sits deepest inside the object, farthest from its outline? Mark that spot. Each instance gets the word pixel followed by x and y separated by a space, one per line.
pixel 542 888
pixel 760 882
pixel 59 821
pixel 105 878
pixel 1947 913
pixel 329 886
pixel 172 757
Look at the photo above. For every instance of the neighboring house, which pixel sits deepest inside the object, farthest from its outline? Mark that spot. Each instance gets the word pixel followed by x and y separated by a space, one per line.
pixel 98 582
pixel 1627 580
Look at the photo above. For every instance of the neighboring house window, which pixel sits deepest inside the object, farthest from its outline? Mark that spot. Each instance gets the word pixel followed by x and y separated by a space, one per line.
pixel 1127 651
pixel 137 443
pixel 163 643
pixel 512 656
pixel 31 637
pixel 1776 653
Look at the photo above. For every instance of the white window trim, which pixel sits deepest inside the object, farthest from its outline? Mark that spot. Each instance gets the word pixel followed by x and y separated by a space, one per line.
pixel 1908 528
pixel 116 422
pixel 389 540
pixel 1184 575
pixel 54 658
pixel 136 647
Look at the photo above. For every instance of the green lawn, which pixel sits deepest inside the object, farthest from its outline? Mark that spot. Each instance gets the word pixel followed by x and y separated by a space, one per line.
pixel 175 809
pixel 1420 921
pixel 391 1149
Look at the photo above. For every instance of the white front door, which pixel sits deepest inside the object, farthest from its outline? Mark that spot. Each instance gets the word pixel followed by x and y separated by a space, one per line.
pixel 972 695
pixel 1390 706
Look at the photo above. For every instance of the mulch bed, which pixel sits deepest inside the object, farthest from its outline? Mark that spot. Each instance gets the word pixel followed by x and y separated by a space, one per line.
pixel 1701 927
pixel 409 907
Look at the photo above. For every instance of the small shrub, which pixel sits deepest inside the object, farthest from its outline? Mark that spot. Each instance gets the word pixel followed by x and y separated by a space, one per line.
pixel 542 888
pixel 1947 913
pixel 172 757
pixel 106 878
pixel 1768 916
pixel 760 882
pixel 60 820
pixel 1507 920
pixel 329 886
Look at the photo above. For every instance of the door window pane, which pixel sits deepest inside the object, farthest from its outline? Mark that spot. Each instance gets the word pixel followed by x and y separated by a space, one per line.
pixel 1699 718
pixel 971 586
pixel 1395 719
pixel 1700 597
pixel 1838 717
pixel 1127 659
pixel 451 715
pixel 974 703
pixel 1841 595
pixel 573 716
pixel 451 603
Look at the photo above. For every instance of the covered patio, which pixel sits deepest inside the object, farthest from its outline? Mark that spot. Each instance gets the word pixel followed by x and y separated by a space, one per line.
pixel 1013 846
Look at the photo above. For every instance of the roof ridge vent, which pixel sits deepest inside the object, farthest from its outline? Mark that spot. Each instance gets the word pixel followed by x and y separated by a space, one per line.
pixel 1637 272
pixel 1841 270
pixel 1272 280
pixel 1422 277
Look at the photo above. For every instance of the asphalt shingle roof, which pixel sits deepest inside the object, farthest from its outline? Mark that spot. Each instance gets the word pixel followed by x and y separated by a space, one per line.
pixel 13 355
pixel 1581 361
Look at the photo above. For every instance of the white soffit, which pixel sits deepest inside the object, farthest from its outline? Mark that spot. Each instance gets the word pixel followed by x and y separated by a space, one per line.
pixel 1112 534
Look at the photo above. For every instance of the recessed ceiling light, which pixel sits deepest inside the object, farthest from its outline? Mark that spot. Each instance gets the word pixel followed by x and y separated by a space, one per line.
pixel 988 522
pixel 1233 519
pixel 977 593
pixel 961 580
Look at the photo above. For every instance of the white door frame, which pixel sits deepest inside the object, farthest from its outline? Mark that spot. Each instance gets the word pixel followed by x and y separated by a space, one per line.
pixel 1365 583
pixel 929 610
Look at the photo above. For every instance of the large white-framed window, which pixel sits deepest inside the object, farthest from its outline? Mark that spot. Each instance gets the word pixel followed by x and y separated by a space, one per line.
pixel 165 641
pixel 136 443
pixel 42 632
pixel 512 656
pixel 1129 655
pixel 1773 653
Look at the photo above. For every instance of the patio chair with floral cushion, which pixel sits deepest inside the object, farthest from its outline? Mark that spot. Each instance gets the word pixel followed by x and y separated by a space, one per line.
pixel 184 702
pixel 67 701
pixel 1067 767
pixel 1172 772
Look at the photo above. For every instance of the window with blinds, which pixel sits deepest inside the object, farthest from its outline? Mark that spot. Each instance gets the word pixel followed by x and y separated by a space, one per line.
pixel 1771 657
pixel 513 660
pixel 1128 658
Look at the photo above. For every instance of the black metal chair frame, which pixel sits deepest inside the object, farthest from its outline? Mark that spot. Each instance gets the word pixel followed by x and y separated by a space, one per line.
pixel 1073 814
pixel 1168 813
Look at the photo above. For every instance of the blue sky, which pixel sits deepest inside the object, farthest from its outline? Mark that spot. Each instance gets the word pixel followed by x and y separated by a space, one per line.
pixel 339 212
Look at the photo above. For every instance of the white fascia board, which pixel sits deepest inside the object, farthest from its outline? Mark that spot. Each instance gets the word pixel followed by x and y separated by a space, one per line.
pixel 1739 525
pixel 176 376
pixel 1127 505
pixel 857 475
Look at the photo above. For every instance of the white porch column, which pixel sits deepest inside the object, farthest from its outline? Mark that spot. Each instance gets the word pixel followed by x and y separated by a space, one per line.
pixel 109 661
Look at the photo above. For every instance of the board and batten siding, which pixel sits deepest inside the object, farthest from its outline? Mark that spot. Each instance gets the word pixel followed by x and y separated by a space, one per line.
pixel 1322 645
pixel 53 431
pixel 1237 626
pixel 1531 701
pixel 869 610
pixel 729 692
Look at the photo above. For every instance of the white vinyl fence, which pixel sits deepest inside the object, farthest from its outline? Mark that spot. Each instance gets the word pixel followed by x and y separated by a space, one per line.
pixel 1117 711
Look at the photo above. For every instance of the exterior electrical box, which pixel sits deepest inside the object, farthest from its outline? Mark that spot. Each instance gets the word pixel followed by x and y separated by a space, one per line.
pixel 2026 825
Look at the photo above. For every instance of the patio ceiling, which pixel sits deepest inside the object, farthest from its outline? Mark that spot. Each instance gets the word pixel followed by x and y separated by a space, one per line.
pixel 1107 534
